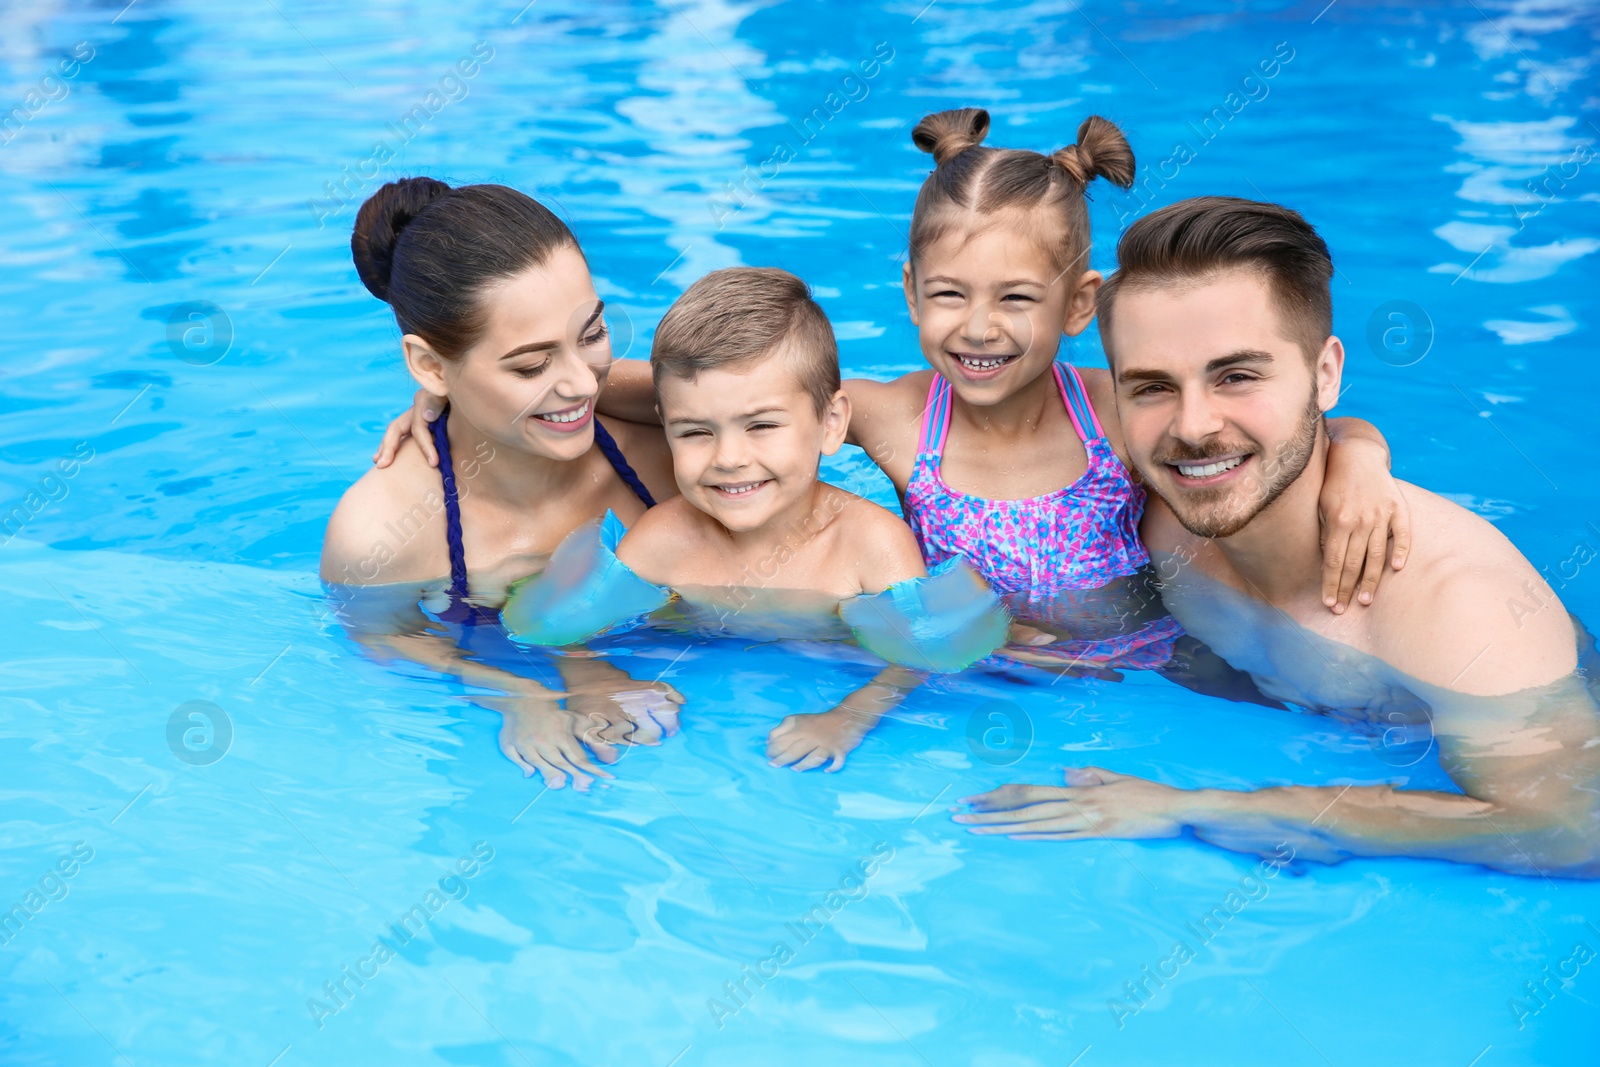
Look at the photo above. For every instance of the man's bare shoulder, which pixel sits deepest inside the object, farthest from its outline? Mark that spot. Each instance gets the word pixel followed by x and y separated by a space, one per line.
pixel 389 525
pixel 1469 613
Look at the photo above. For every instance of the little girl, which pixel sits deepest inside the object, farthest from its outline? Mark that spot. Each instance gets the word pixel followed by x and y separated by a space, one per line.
pixel 1006 456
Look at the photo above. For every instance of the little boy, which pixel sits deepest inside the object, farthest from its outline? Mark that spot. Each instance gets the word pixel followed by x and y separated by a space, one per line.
pixel 746 371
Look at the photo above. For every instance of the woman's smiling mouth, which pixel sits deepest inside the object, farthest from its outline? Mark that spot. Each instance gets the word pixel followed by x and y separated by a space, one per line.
pixel 567 420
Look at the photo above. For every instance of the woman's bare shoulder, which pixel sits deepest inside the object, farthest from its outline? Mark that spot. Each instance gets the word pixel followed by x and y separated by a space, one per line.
pixel 389 526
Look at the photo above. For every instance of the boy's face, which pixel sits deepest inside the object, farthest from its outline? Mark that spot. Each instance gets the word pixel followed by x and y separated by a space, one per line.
pixel 746 441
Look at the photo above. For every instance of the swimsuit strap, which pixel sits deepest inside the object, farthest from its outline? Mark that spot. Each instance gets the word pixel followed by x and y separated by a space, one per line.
pixel 1076 397
pixel 452 501
pixel 452 508
pixel 619 463
pixel 935 417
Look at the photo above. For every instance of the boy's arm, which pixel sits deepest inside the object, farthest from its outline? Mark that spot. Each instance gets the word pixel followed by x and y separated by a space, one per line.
pixel 630 393
pixel 1361 507
pixel 804 742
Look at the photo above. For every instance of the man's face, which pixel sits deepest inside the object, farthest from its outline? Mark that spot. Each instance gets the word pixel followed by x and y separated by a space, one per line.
pixel 746 441
pixel 1220 410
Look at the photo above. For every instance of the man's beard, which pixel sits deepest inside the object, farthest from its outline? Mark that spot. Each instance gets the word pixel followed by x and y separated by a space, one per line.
pixel 1224 511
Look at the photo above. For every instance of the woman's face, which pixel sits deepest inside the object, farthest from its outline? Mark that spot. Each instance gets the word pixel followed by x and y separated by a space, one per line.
pixel 531 380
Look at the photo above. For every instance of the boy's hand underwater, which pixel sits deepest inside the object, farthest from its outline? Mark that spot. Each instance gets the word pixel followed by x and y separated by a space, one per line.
pixel 805 742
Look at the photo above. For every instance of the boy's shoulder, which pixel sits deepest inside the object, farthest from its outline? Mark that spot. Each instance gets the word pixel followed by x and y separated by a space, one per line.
pixel 667 533
pixel 880 544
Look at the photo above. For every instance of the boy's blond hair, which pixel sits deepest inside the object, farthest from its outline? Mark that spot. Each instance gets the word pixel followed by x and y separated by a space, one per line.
pixel 739 315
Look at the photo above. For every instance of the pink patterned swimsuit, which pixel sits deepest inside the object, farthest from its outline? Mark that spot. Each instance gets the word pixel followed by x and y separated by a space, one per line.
pixel 1042 555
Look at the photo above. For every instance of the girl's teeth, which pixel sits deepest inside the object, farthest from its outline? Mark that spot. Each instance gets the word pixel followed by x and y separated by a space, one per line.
pixel 571 416
pixel 983 364
pixel 1209 469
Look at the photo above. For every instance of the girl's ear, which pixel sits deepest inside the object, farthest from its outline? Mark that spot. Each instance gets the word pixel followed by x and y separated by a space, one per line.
pixel 1080 305
pixel 910 284
pixel 835 422
pixel 425 365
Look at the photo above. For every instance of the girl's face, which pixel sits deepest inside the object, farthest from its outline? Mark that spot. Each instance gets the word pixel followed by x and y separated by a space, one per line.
pixel 531 380
pixel 991 305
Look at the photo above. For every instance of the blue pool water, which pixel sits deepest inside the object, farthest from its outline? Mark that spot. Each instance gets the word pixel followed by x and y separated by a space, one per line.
pixel 191 166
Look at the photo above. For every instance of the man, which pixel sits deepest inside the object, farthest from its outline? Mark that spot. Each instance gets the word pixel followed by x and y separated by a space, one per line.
pixel 1218 327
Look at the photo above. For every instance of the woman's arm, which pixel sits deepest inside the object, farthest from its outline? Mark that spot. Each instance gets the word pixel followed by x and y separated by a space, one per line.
pixel 536 733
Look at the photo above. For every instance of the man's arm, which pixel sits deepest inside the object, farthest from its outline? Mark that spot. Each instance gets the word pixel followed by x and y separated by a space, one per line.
pixel 1524 814
pixel 630 393
pixel 1517 730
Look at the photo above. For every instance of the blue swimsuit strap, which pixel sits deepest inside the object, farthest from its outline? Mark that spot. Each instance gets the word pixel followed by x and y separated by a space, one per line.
pixel 619 463
pixel 452 509
pixel 452 502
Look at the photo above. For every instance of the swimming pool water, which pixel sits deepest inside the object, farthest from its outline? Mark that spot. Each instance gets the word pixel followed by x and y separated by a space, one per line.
pixel 194 374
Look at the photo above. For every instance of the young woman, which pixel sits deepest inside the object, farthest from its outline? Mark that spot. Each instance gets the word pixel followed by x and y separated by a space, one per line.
pixel 502 326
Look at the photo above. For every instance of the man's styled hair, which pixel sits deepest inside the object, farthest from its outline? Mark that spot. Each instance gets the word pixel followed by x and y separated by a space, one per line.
pixel 741 314
pixel 1198 238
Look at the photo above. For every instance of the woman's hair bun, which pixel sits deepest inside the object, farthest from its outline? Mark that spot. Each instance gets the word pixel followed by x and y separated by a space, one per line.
pixel 947 134
pixel 1101 152
pixel 379 224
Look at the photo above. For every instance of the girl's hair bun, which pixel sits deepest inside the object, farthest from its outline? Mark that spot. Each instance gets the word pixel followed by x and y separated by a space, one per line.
pixel 379 224
pixel 1101 152
pixel 947 134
